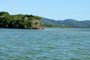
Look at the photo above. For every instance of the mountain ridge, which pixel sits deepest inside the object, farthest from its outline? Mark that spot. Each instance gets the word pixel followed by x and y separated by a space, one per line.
pixel 67 22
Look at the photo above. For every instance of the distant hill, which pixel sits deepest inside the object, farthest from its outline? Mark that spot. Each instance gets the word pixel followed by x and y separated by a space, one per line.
pixel 67 22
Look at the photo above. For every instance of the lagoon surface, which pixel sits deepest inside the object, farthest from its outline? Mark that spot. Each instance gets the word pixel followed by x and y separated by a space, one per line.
pixel 47 44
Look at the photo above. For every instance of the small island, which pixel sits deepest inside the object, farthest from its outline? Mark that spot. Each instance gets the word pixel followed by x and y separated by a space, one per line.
pixel 20 21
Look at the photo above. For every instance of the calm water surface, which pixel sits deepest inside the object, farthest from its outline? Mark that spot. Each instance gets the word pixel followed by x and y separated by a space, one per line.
pixel 47 44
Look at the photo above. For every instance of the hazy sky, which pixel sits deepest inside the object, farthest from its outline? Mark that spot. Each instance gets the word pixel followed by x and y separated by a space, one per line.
pixel 54 9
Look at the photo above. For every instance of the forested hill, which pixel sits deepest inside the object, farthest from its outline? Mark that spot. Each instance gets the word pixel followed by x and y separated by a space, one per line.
pixel 36 22
pixel 19 21
pixel 67 22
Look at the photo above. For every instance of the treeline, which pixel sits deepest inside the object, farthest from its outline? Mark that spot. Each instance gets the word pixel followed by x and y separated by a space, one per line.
pixel 18 21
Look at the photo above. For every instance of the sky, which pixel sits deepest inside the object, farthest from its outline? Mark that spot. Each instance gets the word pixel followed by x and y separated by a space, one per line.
pixel 53 9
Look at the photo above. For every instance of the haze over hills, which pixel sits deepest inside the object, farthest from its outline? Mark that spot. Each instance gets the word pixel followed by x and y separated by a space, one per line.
pixel 67 22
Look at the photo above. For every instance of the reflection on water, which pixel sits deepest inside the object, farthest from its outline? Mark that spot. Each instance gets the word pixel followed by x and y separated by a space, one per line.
pixel 47 44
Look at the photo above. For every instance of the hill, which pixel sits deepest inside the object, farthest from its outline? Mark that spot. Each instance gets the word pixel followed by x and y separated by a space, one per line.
pixel 67 22
pixel 19 21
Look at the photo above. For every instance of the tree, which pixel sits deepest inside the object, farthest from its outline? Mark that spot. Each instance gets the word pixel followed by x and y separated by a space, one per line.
pixel 4 14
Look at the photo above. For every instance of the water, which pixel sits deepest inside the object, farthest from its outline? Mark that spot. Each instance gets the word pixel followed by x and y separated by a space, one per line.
pixel 47 44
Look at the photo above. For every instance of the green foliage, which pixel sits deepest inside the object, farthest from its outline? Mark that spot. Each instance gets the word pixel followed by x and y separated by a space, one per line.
pixel 4 14
pixel 16 21
pixel 38 17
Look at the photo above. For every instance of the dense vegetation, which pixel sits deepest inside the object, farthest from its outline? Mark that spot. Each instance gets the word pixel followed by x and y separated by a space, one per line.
pixel 18 21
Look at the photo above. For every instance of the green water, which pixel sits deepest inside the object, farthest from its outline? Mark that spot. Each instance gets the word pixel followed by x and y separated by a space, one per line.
pixel 47 44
